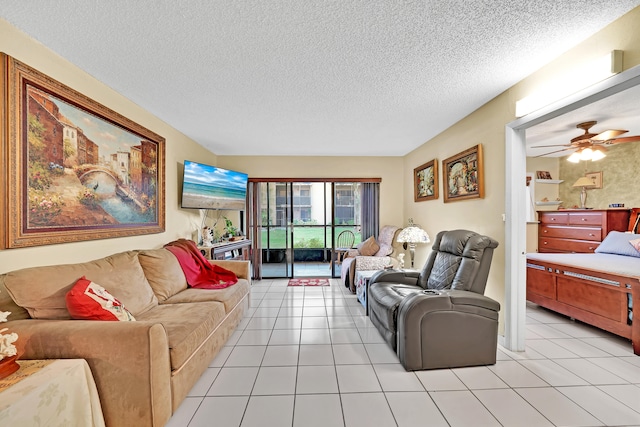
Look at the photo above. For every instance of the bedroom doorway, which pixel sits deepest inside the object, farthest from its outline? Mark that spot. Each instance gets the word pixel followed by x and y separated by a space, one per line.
pixel 515 203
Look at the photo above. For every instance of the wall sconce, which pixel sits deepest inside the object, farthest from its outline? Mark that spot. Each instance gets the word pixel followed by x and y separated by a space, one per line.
pixel 412 235
pixel 574 80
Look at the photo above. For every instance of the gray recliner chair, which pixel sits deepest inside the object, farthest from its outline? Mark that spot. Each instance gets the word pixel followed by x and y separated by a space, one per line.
pixel 439 317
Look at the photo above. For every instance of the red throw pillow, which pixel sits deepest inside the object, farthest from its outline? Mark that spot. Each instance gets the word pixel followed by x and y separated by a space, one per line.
pixel 89 301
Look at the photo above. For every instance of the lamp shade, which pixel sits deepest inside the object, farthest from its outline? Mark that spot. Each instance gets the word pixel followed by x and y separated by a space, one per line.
pixel 583 181
pixel 413 234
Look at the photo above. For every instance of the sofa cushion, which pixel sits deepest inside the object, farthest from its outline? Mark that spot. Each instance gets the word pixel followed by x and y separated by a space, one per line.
pixel 230 296
pixel 163 272
pixel 42 290
pixel 369 247
pixel 90 301
pixel 187 326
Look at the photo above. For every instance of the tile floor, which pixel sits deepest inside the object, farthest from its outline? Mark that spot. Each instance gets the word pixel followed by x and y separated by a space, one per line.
pixel 310 357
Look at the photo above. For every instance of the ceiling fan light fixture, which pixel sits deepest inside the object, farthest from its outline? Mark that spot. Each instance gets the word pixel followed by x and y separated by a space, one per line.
pixel 598 154
pixel 574 157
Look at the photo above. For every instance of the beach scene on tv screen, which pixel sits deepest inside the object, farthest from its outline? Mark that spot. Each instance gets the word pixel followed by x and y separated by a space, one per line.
pixel 209 187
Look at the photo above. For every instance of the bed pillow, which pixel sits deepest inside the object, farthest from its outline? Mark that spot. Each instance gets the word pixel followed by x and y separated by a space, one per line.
pixel 636 244
pixel 619 243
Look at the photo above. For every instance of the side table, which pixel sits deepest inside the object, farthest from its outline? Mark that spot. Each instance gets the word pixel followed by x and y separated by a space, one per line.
pixel 361 280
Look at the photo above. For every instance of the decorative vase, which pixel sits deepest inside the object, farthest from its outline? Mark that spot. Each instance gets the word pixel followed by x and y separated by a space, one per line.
pixel 8 366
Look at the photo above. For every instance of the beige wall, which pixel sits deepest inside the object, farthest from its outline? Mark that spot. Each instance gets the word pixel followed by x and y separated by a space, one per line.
pixel 486 126
pixel 389 169
pixel 179 222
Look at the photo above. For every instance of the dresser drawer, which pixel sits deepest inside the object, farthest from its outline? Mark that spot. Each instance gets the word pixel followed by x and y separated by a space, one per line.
pixel 554 218
pixel 585 218
pixel 577 233
pixel 552 244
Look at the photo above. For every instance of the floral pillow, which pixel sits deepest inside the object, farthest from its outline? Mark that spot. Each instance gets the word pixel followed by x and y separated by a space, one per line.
pixel 89 301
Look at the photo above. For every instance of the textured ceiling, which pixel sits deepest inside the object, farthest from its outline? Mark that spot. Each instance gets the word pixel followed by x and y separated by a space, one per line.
pixel 311 77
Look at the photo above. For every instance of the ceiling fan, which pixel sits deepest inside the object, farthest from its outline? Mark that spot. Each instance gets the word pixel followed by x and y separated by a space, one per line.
pixel 590 146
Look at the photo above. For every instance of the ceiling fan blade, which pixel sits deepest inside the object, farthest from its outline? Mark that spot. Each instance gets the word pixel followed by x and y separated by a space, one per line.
pixel 624 139
pixel 553 152
pixel 554 145
pixel 608 134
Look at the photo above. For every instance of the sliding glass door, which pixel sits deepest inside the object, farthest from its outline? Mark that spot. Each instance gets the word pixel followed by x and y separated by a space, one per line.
pixel 297 223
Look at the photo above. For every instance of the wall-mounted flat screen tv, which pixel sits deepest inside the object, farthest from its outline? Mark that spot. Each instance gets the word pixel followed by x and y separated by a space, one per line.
pixel 211 187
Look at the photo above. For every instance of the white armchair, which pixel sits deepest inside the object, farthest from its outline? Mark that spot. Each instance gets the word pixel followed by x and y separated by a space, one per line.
pixel 372 254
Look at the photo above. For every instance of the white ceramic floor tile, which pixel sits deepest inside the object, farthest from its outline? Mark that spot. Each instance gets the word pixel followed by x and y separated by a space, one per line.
pixel 381 353
pixel 285 336
pixel 413 409
pixel 501 355
pixel 246 356
pixel 337 322
pixel 319 410
pixel 255 337
pixel 281 355
pixel 357 379
pixel 226 411
pixel 605 408
pixel 268 411
pixel 371 336
pixel 440 380
pixel 579 330
pixel 546 316
pixel 266 312
pixel 270 303
pixel 552 373
pixel 234 382
pixel 288 323
pixel 627 394
pixel 345 336
pixel 290 312
pixel 233 338
pixel 315 336
pixel 546 331
pixel 274 380
pixel 619 367
pixel 204 382
pixel 185 412
pixel 350 354
pixel 337 311
pixel 316 379
pixel 221 357
pixel 479 377
pixel 615 346
pixel 315 355
pixel 556 407
pixel 366 410
pixel 549 349
pixel 261 323
pixel 516 375
pixel 527 354
pixel 393 377
pixel 474 413
pixel 580 348
pixel 593 374
pixel 314 302
pixel 314 312
pixel 510 409
pixel 315 322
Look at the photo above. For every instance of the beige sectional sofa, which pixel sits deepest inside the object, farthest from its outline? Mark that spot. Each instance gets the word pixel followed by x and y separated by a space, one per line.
pixel 143 369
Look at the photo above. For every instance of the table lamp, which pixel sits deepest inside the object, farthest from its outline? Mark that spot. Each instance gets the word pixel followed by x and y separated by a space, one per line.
pixel 583 182
pixel 412 235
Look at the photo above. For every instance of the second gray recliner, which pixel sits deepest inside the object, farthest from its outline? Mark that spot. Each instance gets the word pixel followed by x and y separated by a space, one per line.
pixel 439 317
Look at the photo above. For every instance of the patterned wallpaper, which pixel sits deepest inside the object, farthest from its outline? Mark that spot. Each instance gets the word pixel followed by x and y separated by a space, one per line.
pixel 619 173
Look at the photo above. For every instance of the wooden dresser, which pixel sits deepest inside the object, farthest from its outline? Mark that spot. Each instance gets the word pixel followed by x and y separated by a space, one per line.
pixel 578 230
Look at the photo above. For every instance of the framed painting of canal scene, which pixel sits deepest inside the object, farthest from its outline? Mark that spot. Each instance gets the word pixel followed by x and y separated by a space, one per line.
pixel 425 181
pixel 76 170
pixel 463 175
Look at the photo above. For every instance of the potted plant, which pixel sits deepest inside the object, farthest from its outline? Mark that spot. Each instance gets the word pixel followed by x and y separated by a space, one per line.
pixel 230 228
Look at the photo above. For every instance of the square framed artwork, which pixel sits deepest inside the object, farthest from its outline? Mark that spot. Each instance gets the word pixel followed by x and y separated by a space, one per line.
pixel 425 181
pixel 596 178
pixel 463 175
pixel 76 170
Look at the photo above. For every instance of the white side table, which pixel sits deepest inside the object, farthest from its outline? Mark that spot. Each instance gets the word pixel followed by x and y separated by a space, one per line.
pixel 50 392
